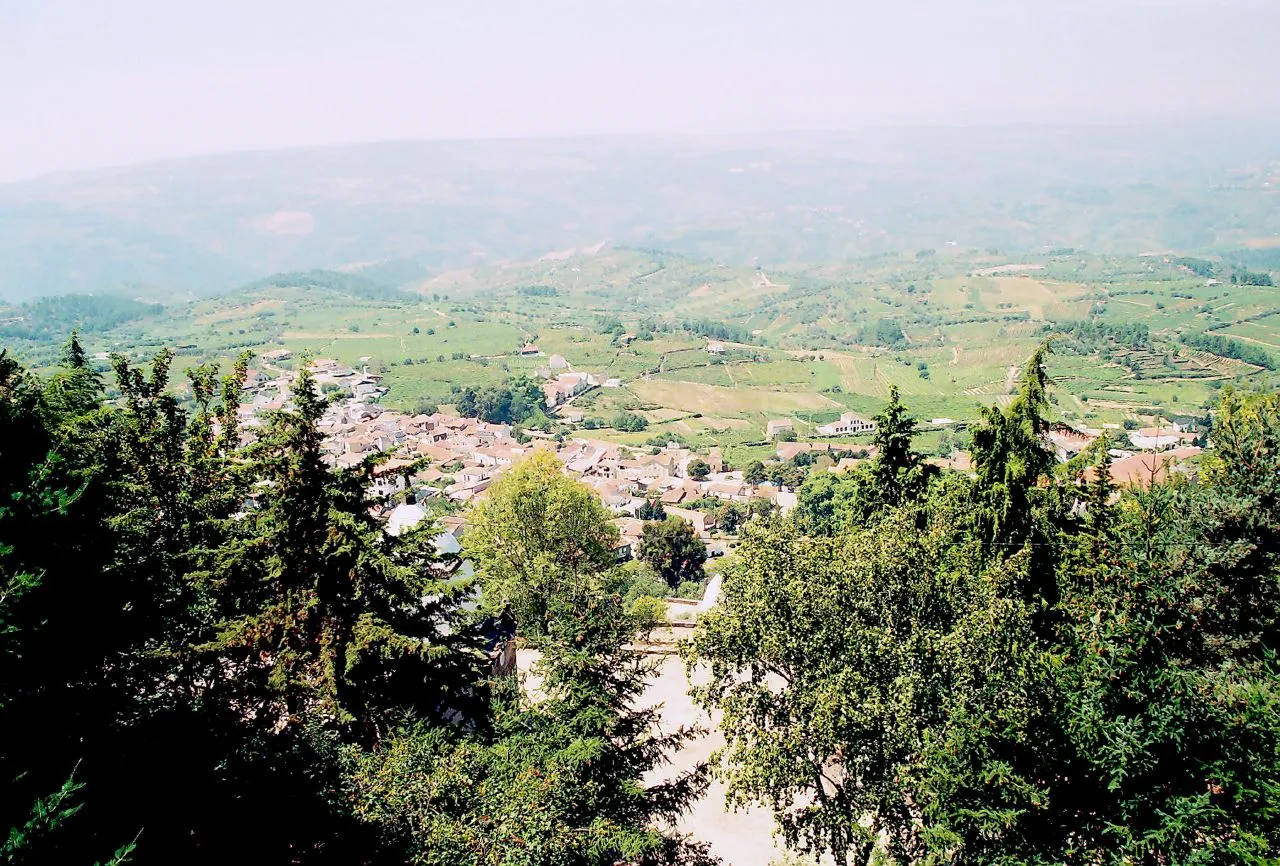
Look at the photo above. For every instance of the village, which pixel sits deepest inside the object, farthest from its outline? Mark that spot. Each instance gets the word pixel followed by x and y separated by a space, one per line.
pixel 454 460
pixel 440 462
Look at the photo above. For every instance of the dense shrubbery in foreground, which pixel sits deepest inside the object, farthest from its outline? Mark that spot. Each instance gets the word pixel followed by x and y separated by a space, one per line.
pixel 215 650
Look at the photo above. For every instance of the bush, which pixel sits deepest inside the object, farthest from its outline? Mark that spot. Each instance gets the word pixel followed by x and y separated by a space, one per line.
pixel 691 589
pixel 630 422
pixel 638 580
pixel 648 610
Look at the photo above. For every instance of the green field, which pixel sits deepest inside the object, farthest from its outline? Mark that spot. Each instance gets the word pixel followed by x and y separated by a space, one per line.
pixel 806 343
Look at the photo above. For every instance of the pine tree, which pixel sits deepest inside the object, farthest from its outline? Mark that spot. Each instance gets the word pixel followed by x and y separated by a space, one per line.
pixel 565 779
pixel 894 431
pixel 327 616
pixel 1011 457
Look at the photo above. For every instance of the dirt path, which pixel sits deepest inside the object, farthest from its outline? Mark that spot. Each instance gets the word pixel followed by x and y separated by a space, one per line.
pixel 1010 379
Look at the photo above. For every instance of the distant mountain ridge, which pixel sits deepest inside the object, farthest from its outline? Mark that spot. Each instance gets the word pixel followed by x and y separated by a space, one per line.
pixel 415 208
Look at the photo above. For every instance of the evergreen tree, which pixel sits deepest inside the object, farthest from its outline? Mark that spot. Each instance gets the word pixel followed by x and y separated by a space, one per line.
pixel 1011 457
pixel 894 458
pixel 563 779
pixel 329 617
pixel 76 388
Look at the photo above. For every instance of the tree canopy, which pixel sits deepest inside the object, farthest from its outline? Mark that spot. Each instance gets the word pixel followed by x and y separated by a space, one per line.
pixel 212 651
pixel 1024 667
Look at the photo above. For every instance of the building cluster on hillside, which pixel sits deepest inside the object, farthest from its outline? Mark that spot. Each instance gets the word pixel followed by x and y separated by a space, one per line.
pixel 459 458
pixel 464 456
pixel 563 383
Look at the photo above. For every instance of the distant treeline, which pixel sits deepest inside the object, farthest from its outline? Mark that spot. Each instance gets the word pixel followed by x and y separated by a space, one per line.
pixel 1251 278
pixel 337 281
pixel 1229 348
pixel 52 318
pixel 1134 335
pixel 1199 267
pixel 718 330
pixel 537 291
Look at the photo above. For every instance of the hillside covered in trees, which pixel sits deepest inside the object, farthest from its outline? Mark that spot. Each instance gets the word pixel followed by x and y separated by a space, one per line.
pixel 213 652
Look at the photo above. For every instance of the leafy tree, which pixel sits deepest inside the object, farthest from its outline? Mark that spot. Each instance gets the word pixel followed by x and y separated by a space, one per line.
pixel 1082 679
pixel 536 533
pixel 857 676
pixel 753 473
pixel 699 469
pixel 787 475
pixel 630 422
pixel 514 402
pixel 673 550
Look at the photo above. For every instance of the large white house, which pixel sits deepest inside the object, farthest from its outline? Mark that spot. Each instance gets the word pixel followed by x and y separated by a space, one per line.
pixel 848 425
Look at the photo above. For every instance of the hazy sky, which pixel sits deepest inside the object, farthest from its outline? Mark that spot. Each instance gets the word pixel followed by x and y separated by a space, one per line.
pixel 96 82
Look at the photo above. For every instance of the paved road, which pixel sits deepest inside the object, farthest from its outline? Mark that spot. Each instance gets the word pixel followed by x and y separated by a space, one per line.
pixel 739 838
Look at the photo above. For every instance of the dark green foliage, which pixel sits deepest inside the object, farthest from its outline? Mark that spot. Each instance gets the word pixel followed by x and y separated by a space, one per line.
pixel 829 503
pixel 1092 334
pixel 511 403
pixel 1199 267
pixel 699 469
pixel 48 319
pixel 335 606
pixel 1010 455
pixel 887 333
pixel 719 330
pixel 537 291
pixel 223 642
pixel 651 509
pixel 1017 669
pixel 1251 278
pixel 1229 348
pixel 630 422
pixel 555 782
pixel 673 550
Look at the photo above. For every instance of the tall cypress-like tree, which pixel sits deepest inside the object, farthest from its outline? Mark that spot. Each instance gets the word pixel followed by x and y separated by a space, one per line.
pixel 328 617
pixel 1011 457
pixel 895 459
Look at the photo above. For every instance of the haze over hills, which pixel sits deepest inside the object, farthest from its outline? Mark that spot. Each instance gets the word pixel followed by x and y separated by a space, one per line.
pixel 416 208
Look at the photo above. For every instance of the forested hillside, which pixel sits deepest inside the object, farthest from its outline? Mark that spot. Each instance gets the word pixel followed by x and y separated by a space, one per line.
pixel 212 652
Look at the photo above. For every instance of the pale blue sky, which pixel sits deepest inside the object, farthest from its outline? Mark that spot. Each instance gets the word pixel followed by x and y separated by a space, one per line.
pixel 97 82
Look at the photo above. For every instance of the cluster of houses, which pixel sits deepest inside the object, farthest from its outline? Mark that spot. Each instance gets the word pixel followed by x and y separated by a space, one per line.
pixel 464 456
pixel 849 424
pixel 563 383
pixel 1152 454
pixel 266 391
